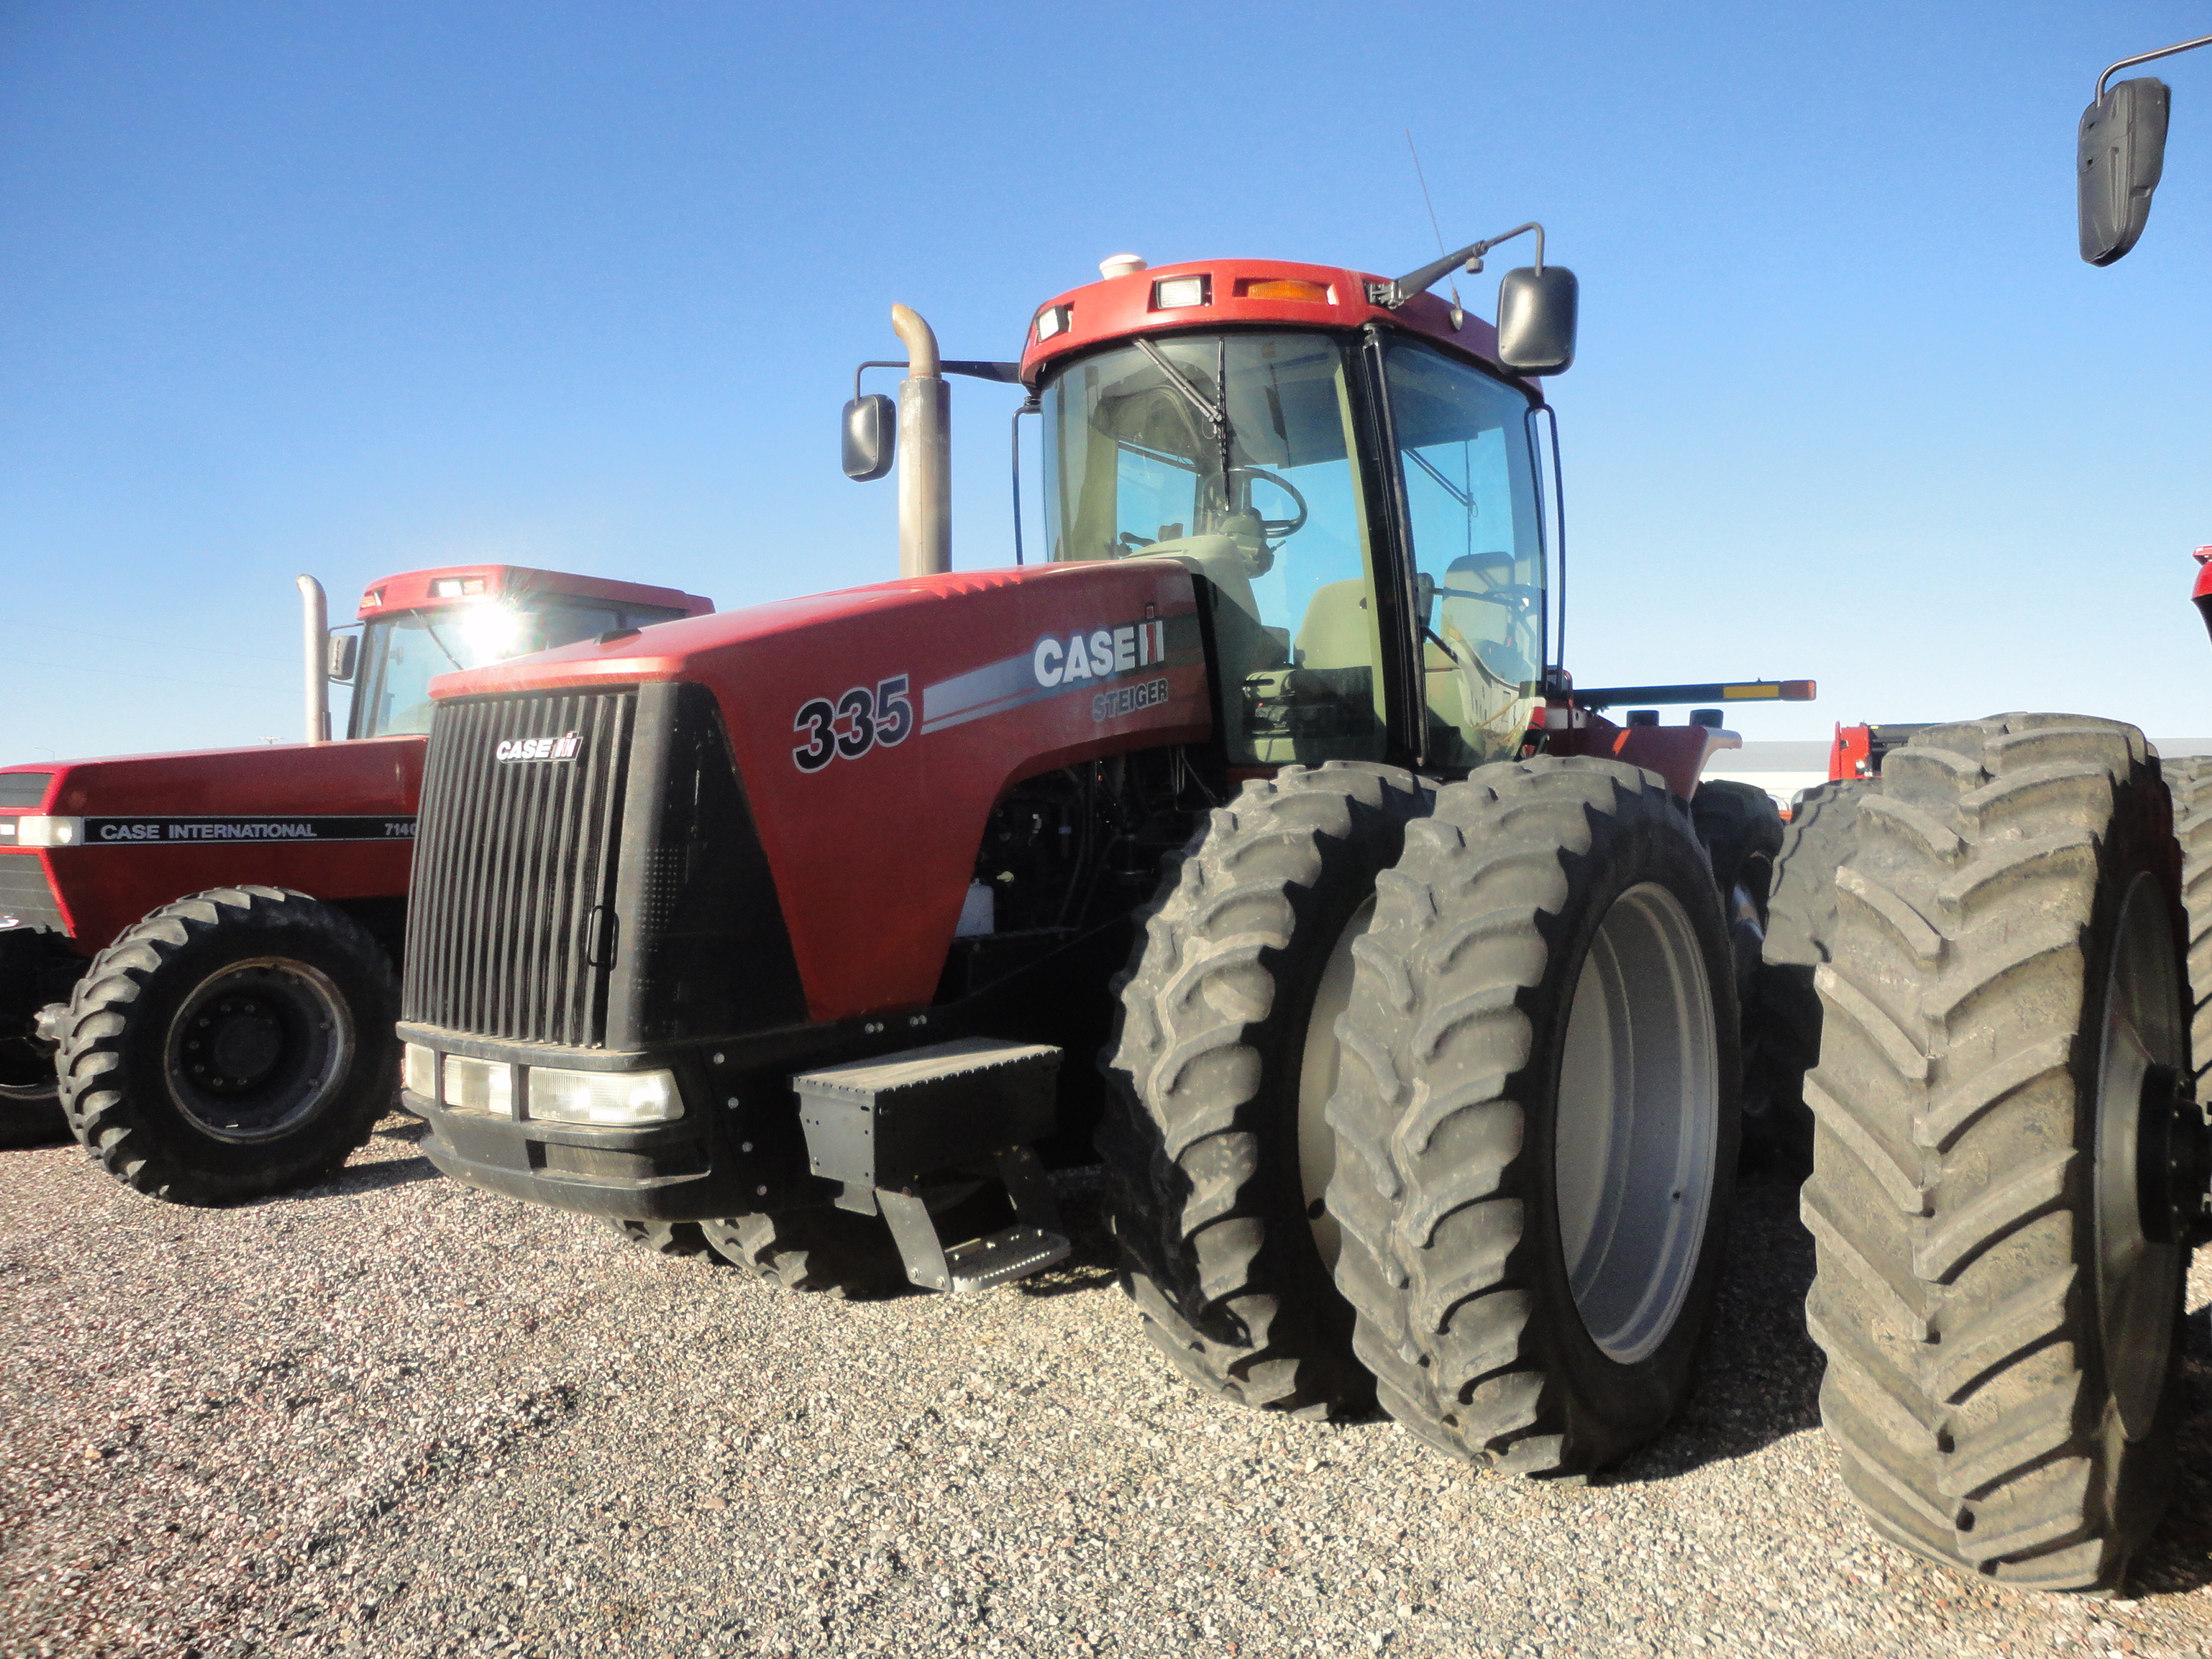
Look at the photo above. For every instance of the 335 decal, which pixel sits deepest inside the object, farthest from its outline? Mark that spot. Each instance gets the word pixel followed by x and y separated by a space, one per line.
pixel 860 720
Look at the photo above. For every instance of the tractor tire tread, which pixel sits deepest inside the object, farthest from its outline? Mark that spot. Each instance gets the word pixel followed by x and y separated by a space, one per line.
pixel 1947 1295
pixel 113 1128
pixel 1182 1139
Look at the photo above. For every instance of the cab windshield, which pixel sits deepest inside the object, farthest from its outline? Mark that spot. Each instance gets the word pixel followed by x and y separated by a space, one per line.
pixel 401 655
pixel 1258 492
pixel 1255 490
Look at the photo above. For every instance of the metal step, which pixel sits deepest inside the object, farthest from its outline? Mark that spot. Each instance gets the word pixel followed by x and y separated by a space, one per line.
pixel 1009 1254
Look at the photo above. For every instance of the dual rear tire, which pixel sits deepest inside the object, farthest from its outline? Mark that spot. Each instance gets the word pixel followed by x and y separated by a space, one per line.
pixel 1432 1100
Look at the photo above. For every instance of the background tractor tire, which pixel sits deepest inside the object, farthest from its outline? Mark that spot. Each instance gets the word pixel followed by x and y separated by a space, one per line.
pixel 1783 1024
pixel 1215 1139
pixel 2003 1339
pixel 30 1094
pixel 2190 782
pixel 829 1252
pixel 1536 1121
pixel 232 1044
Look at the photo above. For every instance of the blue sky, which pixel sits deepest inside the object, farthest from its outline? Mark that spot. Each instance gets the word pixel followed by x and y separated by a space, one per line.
pixel 353 289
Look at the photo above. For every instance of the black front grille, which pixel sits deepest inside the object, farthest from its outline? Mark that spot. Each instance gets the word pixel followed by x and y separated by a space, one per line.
pixel 510 927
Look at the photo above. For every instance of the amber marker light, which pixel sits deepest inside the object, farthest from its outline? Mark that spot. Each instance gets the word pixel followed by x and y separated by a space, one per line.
pixel 1284 288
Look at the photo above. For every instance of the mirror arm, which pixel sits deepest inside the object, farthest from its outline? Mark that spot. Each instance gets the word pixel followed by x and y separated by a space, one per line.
pixel 2147 57
pixel 1392 296
pixel 874 363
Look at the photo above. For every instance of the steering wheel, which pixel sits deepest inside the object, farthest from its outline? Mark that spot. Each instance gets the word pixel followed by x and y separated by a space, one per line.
pixel 1273 529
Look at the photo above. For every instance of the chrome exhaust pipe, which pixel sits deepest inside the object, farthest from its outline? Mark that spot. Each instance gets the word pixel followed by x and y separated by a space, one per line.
pixel 315 641
pixel 925 452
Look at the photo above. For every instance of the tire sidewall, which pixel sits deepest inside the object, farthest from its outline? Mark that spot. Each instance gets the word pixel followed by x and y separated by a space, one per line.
pixel 1611 1407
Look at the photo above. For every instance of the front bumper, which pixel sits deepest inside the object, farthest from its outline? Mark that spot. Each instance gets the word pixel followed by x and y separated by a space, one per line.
pixel 704 1164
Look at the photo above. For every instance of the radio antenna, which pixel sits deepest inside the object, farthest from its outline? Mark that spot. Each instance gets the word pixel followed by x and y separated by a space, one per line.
pixel 1423 178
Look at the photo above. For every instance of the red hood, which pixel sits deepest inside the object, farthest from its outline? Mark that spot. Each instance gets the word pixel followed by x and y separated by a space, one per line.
pixel 376 775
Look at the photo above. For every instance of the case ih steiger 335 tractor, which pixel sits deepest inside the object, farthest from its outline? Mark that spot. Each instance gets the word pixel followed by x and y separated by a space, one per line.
pixel 2010 1166
pixel 204 943
pixel 1421 1061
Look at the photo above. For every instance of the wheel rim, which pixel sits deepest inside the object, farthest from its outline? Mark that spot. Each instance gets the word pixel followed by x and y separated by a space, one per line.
pixel 1637 1124
pixel 1317 1082
pixel 2138 1280
pixel 259 1048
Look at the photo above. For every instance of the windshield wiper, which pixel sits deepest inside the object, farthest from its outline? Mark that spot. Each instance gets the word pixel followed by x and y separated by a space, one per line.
pixel 1217 414
pixel 431 628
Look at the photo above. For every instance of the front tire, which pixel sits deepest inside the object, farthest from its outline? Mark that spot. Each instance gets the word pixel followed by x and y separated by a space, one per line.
pixel 1536 1125
pixel 1215 1143
pixel 2001 1333
pixel 232 1044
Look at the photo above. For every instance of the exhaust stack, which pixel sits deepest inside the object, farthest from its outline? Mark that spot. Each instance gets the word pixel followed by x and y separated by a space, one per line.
pixel 925 443
pixel 315 641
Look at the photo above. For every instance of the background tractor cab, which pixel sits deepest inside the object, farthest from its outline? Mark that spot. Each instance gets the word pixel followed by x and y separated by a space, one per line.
pixel 422 623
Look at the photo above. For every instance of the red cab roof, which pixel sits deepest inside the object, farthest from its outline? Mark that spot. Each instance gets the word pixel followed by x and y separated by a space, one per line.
pixel 1240 291
pixel 417 590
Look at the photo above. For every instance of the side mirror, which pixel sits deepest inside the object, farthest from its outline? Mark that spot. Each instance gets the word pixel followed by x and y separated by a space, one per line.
pixel 1536 320
pixel 871 436
pixel 340 652
pixel 2122 153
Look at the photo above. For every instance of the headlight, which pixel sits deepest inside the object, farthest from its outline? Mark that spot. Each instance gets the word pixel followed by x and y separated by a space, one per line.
pixel 603 1097
pixel 418 1070
pixel 479 1085
pixel 33 831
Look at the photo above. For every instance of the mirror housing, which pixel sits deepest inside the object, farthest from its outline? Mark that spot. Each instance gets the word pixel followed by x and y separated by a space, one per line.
pixel 340 654
pixel 870 437
pixel 2120 154
pixel 1536 320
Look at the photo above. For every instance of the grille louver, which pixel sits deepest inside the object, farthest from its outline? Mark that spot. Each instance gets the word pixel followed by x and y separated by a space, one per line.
pixel 511 911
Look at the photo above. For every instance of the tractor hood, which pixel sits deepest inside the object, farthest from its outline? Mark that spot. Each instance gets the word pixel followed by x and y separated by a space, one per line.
pixel 379 775
pixel 874 730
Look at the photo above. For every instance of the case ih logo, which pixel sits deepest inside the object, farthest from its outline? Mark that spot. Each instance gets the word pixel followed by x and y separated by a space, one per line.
pixel 562 748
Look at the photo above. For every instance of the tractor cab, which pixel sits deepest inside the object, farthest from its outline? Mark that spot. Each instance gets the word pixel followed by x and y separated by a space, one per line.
pixel 426 622
pixel 1350 465
pixel 1363 505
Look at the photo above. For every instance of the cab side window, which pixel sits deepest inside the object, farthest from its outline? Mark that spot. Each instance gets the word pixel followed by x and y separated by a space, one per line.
pixel 1470 495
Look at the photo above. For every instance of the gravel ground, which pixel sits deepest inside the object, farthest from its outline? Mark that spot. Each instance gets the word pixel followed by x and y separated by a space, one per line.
pixel 395 1416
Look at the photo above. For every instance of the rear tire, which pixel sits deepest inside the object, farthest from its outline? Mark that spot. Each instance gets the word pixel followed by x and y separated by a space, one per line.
pixel 1783 1025
pixel 232 1044
pixel 1215 1140
pixel 2002 1340
pixel 1536 1124
pixel 2190 782
pixel 1740 829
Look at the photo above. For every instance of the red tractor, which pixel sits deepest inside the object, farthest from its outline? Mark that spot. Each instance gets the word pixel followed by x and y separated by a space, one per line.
pixel 1413 976
pixel 203 946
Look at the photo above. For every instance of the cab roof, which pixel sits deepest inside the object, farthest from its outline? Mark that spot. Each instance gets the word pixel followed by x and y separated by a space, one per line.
pixel 1241 291
pixel 462 584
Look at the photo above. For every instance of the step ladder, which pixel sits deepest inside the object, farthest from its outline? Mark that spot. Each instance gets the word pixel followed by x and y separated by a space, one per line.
pixel 884 1128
